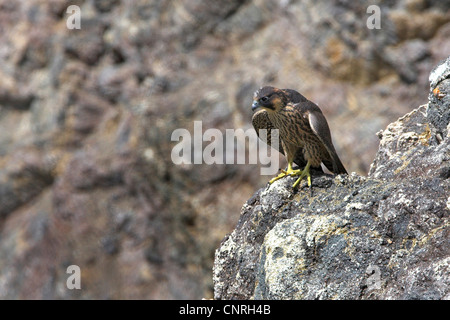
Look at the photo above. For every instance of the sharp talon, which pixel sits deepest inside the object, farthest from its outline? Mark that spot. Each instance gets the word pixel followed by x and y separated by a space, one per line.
pixel 304 173
pixel 284 173
pixel 295 173
pixel 281 175
pixel 297 182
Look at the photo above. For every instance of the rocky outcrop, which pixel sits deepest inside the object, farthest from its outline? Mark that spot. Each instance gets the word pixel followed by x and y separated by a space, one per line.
pixel 384 236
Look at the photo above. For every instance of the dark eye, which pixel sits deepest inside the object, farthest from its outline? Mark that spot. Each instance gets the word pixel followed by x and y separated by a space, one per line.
pixel 265 99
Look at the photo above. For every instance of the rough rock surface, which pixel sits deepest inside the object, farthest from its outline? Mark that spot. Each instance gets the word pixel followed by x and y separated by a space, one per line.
pixel 86 118
pixel 385 236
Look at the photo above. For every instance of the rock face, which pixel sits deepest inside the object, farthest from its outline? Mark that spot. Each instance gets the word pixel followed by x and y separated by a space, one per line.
pixel 385 236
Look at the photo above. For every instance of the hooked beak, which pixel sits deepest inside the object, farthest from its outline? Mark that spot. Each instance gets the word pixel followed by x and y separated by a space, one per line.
pixel 255 105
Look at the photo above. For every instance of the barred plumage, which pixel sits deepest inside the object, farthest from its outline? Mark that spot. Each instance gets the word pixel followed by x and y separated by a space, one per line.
pixel 260 120
pixel 304 132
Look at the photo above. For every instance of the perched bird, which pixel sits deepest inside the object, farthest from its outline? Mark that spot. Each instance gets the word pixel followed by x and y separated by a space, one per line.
pixel 304 133
pixel 260 120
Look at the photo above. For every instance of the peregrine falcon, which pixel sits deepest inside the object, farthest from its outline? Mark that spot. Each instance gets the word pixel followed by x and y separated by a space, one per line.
pixel 304 133
pixel 260 120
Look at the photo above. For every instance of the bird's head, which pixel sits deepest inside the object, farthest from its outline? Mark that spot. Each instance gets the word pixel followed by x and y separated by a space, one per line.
pixel 270 98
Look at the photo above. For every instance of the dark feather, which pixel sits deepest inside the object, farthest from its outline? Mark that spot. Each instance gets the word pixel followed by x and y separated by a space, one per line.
pixel 260 120
pixel 319 126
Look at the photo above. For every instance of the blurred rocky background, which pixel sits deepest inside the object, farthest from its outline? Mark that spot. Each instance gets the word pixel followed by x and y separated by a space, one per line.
pixel 86 118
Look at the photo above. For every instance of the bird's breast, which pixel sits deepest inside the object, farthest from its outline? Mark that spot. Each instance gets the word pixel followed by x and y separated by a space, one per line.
pixel 294 128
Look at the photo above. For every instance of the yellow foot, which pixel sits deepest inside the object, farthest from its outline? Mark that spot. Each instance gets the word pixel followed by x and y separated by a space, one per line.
pixel 305 173
pixel 289 172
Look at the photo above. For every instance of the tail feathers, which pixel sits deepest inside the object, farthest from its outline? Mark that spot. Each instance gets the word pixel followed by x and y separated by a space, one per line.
pixel 335 165
pixel 338 167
